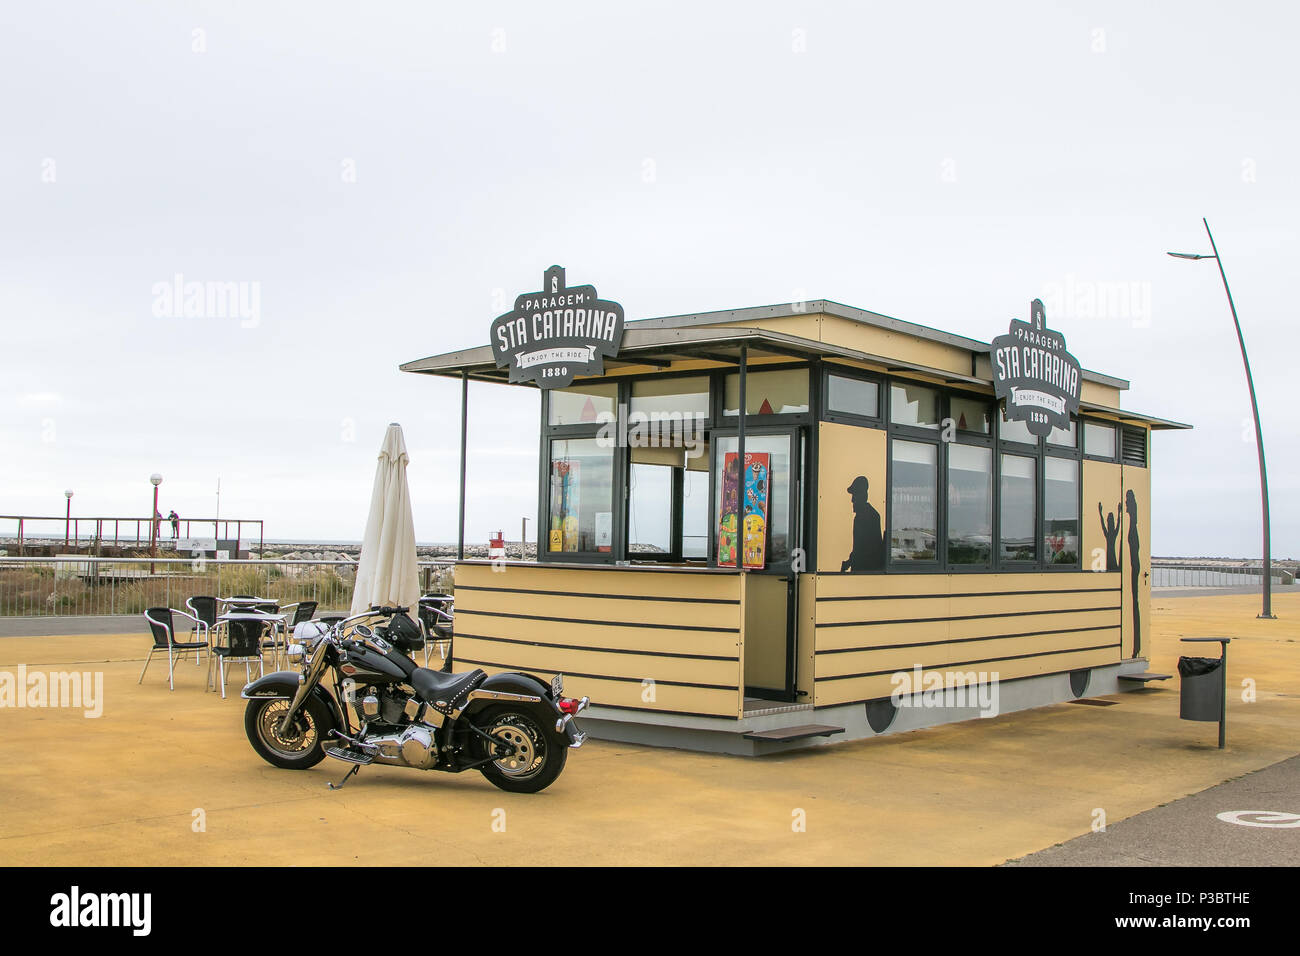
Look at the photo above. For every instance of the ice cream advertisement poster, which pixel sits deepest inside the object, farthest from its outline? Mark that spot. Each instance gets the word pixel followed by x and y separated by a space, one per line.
pixel 564 506
pixel 747 530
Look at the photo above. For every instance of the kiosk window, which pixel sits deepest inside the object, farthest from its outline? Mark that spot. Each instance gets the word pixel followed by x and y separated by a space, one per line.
pixel 1064 437
pixel 1016 431
pixel 852 396
pixel 971 416
pixel 1099 440
pixel 769 538
pixel 582 404
pixel 913 405
pixel 670 399
pixel 1018 502
pixel 912 500
pixel 970 504
pixel 1061 510
pixel 780 392
pixel 695 511
pixel 581 496
pixel 650 509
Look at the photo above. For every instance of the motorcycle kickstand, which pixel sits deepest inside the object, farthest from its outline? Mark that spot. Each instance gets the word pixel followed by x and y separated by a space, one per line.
pixel 339 785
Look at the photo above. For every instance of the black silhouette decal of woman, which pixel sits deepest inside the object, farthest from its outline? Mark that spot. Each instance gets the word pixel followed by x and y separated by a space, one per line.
pixel 868 552
pixel 1135 566
pixel 1110 528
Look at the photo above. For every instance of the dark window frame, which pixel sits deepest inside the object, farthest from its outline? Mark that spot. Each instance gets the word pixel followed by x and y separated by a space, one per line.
pixel 850 418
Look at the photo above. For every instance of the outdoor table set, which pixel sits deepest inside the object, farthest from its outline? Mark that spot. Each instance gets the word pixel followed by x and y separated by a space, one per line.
pixel 233 630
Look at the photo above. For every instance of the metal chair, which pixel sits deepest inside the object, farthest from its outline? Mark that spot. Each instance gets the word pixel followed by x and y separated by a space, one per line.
pixel 205 609
pixel 302 611
pixel 436 614
pixel 272 630
pixel 243 646
pixel 162 624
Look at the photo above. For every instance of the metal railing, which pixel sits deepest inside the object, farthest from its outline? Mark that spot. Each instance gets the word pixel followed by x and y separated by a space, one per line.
pixel 69 586
pixel 125 532
pixel 1192 575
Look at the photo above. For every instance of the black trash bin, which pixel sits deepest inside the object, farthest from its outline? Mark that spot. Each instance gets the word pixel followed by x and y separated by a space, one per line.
pixel 1201 693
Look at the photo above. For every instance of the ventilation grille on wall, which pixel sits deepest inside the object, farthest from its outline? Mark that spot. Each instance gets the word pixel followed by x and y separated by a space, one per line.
pixel 1133 446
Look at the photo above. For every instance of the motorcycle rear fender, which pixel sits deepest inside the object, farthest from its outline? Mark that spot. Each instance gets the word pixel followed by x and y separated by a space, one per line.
pixel 283 685
pixel 515 683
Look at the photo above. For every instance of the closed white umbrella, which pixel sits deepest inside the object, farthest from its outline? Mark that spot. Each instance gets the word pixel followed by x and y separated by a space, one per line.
pixel 387 573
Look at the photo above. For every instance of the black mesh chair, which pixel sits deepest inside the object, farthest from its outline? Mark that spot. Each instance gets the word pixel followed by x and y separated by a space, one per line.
pixel 243 646
pixel 162 625
pixel 205 609
pixel 436 613
pixel 302 611
pixel 271 633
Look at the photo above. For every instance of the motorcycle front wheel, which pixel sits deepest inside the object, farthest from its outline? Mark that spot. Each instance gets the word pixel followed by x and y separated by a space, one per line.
pixel 538 751
pixel 302 746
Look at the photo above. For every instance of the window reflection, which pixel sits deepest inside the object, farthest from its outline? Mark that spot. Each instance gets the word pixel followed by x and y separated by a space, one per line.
pixel 970 504
pixel 1061 510
pixel 1018 503
pixel 912 504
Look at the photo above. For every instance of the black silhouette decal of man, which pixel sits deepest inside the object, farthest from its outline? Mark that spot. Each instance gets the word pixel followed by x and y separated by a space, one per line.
pixel 1110 528
pixel 1135 565
pixel 868 552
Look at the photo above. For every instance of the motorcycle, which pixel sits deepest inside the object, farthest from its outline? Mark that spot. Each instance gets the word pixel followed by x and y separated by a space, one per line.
pixel 516 729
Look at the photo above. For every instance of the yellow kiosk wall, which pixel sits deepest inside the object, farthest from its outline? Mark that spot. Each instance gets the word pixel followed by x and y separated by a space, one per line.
pixel 646 640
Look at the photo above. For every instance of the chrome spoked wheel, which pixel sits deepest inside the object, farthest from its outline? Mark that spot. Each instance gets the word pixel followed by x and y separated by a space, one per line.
pixel 300 738
pixel 524 737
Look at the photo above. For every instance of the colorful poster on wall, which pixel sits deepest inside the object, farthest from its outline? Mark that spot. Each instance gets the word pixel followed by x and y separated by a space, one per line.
pixel 563 534
pixel 748 530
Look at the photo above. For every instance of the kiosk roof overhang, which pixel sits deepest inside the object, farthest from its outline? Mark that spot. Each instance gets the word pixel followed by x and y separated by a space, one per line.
pixel 658 342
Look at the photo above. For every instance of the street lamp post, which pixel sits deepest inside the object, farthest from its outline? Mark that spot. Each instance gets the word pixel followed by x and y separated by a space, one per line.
pixel 155 479
pixel 67 524
pixel 1267 611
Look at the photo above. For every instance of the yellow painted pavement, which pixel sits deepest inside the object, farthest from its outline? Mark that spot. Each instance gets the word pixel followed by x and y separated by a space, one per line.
pixel 125 788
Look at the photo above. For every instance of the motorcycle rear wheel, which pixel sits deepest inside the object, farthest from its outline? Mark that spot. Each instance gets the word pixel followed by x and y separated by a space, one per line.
pixel 303 748
pixel 539 755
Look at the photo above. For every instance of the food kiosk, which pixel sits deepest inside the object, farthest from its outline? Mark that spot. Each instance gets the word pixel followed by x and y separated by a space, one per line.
pixel 791 525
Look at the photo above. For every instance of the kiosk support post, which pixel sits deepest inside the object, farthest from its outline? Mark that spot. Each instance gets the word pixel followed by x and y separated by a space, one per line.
pixel 740 460
pixel 464 428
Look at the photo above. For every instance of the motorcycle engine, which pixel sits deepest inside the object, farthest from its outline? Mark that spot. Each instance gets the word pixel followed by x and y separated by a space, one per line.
pixel 379 705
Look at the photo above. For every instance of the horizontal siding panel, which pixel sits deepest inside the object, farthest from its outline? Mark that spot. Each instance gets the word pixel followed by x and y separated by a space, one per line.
pixel 944 656
pixel 601 636
pixel 832 692
pixel 613 582
pixel 994 603
pixel 857 585
pixel 884 609
pixel 831 587
pixel 636 667
pixel 540 604
pixel 1045 621
pixel 667 698
pixel 906 609
pixel 840 638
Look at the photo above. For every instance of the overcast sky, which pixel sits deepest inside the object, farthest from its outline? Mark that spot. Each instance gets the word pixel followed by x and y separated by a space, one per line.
pixel 383 178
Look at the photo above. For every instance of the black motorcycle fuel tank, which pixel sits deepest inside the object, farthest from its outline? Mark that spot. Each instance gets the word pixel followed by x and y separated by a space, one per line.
pixel 366 664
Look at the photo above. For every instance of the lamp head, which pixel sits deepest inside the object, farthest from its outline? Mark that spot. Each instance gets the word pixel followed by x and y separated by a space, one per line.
pixel 1188 255
pixel 68 493
pixel 155 479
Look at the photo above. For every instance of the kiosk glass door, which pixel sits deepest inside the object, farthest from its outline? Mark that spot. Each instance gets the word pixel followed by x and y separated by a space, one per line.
pixel 765 535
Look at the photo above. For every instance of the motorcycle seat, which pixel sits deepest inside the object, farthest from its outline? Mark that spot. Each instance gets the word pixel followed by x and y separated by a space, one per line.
pixel 447 692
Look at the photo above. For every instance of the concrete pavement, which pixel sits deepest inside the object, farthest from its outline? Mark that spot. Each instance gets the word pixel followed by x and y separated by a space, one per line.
pixel 1189 832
